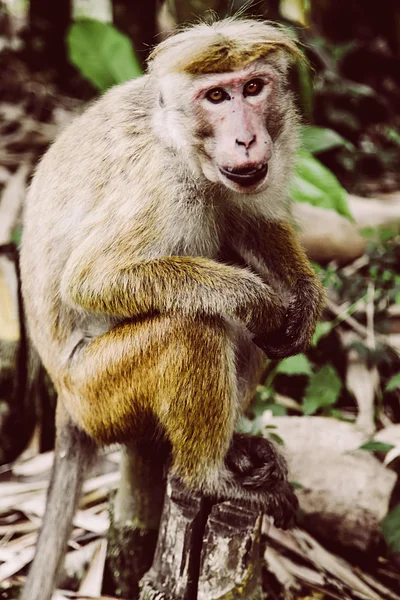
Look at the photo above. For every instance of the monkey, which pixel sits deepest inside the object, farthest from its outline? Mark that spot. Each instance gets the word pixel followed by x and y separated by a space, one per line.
pixel 160 266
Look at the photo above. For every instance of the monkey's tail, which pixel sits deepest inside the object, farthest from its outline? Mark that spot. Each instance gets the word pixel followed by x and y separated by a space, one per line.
pixel 74 454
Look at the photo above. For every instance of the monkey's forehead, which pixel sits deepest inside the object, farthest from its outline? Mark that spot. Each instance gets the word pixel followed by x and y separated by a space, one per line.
pixel 222 47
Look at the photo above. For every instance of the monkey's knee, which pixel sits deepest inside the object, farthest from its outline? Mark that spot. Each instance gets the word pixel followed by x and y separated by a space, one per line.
pixel 145 371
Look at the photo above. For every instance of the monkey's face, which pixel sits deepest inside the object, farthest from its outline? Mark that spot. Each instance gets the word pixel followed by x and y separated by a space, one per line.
pixel 232 114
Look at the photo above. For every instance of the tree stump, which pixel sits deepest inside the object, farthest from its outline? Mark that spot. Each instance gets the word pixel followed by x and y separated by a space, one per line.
pixel 204 551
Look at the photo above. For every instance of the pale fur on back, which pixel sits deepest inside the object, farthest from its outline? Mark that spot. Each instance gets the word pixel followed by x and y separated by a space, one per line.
pixel 112 171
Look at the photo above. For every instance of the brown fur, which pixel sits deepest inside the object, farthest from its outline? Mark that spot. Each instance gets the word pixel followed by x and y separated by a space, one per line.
pixel 225 57
pixel 145 282
pixel 196 53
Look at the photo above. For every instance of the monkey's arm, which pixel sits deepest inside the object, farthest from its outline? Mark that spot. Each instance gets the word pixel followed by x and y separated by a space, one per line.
pixel 116 284
pixel 276 253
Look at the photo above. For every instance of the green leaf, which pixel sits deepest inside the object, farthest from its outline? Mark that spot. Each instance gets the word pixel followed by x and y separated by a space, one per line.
pixel 391 529
pixel 295 365
pixel 318 139
pixel 296 485
pixel 375 446
pixel 323 390
pixel 315 184
pixel 393 383
pixel 102 53
pixel 16 235
pixel 276 438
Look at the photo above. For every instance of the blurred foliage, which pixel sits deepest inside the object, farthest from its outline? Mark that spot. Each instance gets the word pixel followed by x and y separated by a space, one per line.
pixel 102 53
pixel 314 382
pixel 315 184
pixel 354 48
pixel 320 139
pixel 393 383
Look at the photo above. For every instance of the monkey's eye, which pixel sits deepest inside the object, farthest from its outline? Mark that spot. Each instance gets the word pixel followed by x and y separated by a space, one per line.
pixel 217 95
pixel 253 87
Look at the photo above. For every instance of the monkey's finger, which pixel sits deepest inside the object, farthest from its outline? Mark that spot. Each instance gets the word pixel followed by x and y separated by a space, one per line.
pixel 284 506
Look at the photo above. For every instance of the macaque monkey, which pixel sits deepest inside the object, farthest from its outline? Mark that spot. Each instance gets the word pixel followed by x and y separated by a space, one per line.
pixel 160 266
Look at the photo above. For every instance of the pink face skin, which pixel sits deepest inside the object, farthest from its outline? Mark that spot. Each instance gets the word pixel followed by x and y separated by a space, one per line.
pixel 234 107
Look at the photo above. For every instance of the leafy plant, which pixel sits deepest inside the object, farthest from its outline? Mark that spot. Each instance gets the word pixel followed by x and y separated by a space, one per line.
pixel 320 139
pixel 323 390
pixel 295 365
pixel 315 184
pixel 102 53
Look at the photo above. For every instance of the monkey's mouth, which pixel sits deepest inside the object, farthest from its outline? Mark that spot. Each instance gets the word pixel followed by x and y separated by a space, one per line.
pixel 245 176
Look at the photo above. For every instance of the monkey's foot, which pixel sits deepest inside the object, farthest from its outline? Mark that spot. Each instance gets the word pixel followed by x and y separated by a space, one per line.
pixel 260 477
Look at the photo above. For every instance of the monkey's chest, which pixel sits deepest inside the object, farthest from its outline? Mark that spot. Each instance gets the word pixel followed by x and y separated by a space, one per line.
pixel 195 233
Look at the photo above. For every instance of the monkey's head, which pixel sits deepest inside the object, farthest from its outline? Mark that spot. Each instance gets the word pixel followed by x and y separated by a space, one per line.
pixel 224 101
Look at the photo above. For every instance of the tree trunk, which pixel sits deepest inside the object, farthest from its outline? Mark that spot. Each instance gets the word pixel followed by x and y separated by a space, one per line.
pixel 135 519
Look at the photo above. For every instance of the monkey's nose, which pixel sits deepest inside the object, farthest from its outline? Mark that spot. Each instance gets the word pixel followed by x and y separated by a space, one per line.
pixel 246 142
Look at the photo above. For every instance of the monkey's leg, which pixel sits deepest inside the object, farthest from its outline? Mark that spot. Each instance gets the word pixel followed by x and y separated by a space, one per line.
pixel 207 454
pixel 182 371
pixel 74 453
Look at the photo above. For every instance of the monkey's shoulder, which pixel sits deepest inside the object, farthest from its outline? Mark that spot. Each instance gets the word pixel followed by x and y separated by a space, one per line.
pixel 101 145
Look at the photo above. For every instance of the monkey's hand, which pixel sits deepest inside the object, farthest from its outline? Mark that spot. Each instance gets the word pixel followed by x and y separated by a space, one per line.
pixel 296 331
pixel 262 311
pixel 260 474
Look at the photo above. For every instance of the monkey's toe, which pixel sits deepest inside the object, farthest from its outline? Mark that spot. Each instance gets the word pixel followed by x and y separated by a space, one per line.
pixel 282 504
pixel 260 473
pixel 255 463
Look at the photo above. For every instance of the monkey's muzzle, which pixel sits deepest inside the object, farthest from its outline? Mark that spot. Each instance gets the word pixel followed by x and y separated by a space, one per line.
pixel 246 176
